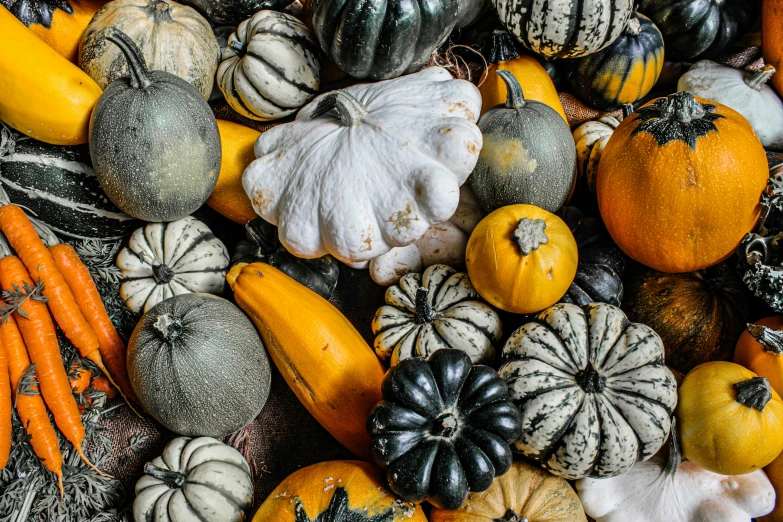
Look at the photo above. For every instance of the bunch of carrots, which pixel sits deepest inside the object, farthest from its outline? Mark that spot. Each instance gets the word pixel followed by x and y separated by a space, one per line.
pixel 28 336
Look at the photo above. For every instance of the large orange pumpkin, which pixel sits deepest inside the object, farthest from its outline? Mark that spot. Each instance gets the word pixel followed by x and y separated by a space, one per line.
pixel 772 39
pixel 679 183
pixel 760 350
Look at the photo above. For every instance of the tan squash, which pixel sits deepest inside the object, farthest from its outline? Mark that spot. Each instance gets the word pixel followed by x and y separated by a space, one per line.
pixel 228 197
pixel 322 357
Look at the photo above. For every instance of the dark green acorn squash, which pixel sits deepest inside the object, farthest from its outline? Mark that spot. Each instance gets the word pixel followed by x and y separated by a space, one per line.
pixel 263 244
pixel 528 155
pixel 232 12
pixel 443 428
pixel 198 366
pixel 154 141
pixel 695 29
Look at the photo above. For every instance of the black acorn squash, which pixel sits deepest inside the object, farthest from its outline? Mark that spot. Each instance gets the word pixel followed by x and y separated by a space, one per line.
pixel 443 428
pixel 232 12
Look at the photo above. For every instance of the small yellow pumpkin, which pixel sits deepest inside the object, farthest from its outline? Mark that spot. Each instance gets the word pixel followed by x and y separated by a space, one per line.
pixel 521 258
pixel 730 420
pixel 760 350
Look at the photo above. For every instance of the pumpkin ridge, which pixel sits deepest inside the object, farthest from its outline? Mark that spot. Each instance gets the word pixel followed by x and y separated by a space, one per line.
pixel 639 443
pixel 205 236
pixel 238 94
pixel 302 41
pixel 571 361
pixel 559 435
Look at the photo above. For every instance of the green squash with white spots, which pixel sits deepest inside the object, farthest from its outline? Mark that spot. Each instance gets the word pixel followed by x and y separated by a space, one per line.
pixel 528 157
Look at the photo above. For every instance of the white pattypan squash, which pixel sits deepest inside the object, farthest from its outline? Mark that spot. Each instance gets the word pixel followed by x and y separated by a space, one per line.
pixel 745 92
pixel 368 168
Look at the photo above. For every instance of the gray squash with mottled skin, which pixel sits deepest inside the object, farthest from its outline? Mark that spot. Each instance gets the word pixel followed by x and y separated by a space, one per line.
pixel 528 155
pixel 198 366
pixel 154 141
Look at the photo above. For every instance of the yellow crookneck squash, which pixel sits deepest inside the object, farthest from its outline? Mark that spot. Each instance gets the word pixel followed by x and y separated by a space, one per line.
pixel 322 357
pixel 337 491
pixel 772 40
pixel 44 96
pixel 531 75
pixel 228 197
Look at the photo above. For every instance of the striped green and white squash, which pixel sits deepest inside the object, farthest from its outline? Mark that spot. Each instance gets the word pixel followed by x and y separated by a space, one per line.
pixel 194 480
pixel 593 390
pixel 434 310
pixel 565 28
pixel 270 67
pixel 58 186
pixel 167 259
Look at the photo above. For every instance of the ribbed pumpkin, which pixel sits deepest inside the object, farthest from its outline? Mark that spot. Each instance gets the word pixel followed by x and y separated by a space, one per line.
pixel 730 420
pixel 622 73
pixel 172 37
pixel 521 258
pixel 679 183
pixel 531 75
pixel 760 350
pixel 772 38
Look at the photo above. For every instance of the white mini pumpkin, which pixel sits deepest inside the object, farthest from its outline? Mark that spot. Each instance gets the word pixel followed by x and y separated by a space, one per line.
pixel 269 67
pixel 368 168
pixel 434 310
pixel 195 480
pixel 745 92
pixel 167 259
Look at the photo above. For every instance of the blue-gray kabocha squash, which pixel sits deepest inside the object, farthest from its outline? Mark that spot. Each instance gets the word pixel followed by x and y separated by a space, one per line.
pixel 528 155
pixel 443 428
pixel 57 184
pixel 154 141
pixel 384 38
pixel 622 73
pixel 700 28
pixel 565 28
pixel 593 390
pixel 599 275
pixel 198 365
pixel 232 12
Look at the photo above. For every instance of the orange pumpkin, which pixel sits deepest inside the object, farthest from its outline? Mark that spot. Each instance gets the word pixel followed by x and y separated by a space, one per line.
pixel 772 38
pixel 760 350
pixel 521 258
pixel 229 197
pixel 679 183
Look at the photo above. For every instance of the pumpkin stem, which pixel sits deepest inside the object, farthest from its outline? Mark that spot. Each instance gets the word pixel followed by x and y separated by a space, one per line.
pixel 140 77
pixel 173 479
pixel 167 327
pixel 7 141
pixel 511 516
pixel 503 47
pixel 772 340
pixel 239 47
pixel 424 312
pixel 590 380
pixel 515 98
pixel 445 426
pixel 160 11
pixel 758 79
pixel 634 26
pixel 530 234
pixel 675 456
pixel 162 274
pixel 681 106
pixel 348 108
pixel 754 393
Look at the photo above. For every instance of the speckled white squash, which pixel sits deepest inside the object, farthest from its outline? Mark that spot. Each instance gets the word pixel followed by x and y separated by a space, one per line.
pixel 745 92
pixel 167 259
pixel 195 480
pixel 269 67
pixel 434 310
pixel 592 387
pixel 368 168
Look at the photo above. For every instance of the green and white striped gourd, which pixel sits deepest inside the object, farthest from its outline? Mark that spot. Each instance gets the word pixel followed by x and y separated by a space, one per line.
pixel 434 310
pixel 593 390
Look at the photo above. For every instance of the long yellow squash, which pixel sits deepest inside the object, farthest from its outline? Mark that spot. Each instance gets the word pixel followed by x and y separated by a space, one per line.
pixel 322 357
pixel 42 94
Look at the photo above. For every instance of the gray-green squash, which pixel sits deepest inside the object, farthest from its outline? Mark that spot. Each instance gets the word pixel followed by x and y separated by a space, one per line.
pixel 154 141
pixel 198 365
pixel 528 154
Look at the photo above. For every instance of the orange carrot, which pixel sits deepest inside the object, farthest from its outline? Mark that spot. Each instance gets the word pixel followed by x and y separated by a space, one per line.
pixel 102 384
pixel 5 408
pixel 112 349
pixel 20 233
pixel 40 337
pixel 79 378
pixel 31 408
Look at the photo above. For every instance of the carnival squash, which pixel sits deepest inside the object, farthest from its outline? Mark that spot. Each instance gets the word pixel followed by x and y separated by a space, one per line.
pixel 313 354
pixel 730 420
pixel 760 350
pixel 44 95
pixel 774 473
pixel 591 138
pixel 524 493
pixel 772 38
pixel 337 491
pixel 228 197
pixel 59 23
pixel 679 183
pixel 531 75
pixel 521 258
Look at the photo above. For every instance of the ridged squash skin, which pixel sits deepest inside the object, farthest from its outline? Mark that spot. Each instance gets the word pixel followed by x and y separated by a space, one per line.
pixel 228 197
pixel 772 42
pixel 325 361
pixel 44 95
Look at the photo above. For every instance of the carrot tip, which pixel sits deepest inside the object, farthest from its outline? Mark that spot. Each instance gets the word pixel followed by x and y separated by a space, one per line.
pixel 60 484
pixel 86 461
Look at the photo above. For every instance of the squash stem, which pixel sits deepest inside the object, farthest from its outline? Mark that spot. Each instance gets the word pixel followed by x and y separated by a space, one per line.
pixel 627 110
pixel 771 340
pixel 530 234
pixel 173 479
pixel 239 47
pixel 758 79
pixel 140 77
pixel 675 456
pixel 167 327
pixel 503 47
pixel 162 274
pixel 515 98
pixel 512 516
pixel 682 106
pixel 349 110
pixel 634 26
pixel 160 11
pixel 424 312
pixel 754 393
